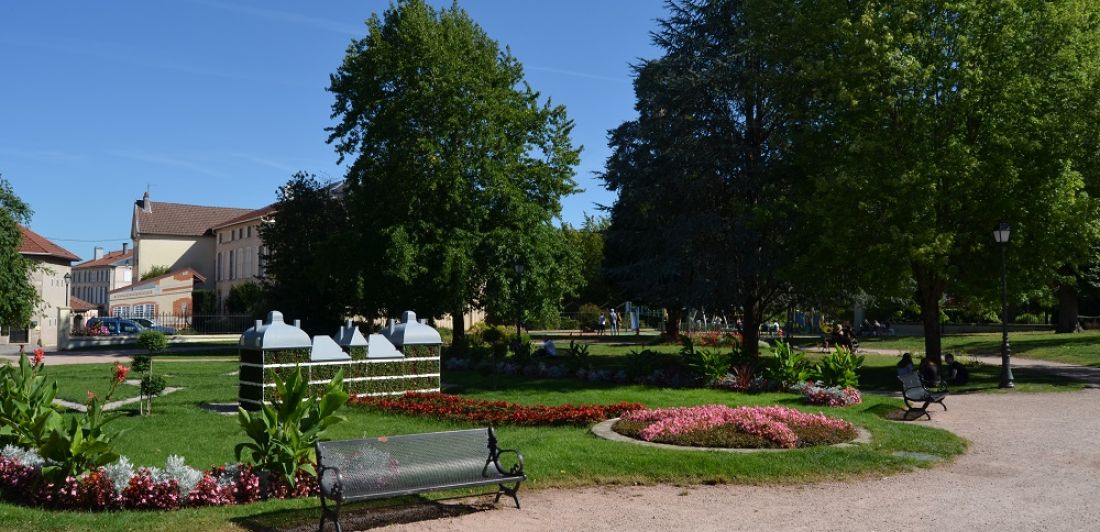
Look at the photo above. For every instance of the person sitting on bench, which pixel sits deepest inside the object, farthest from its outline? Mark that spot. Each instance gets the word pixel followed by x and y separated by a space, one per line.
pixel 905 365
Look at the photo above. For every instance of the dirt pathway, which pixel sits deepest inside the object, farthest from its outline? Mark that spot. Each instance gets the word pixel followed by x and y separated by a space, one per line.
pixel 1034 465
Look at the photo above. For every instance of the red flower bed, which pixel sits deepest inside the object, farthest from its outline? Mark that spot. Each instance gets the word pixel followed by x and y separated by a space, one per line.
pixel 453 407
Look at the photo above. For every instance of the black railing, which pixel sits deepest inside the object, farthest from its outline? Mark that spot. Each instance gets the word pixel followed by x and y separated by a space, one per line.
pixel 204 323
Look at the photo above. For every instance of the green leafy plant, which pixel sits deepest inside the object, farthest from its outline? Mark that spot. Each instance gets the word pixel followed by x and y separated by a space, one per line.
pixel 839 368
pixel 588 317
pixel 153 341
pixel 284 432
pixel 578 358
pixel 151 386
pixel 141 363
pixel 83 445
pixel 711 364
pixel 27 414
pixel 786 367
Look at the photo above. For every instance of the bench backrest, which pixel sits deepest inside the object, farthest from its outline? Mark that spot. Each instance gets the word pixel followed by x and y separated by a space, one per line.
pixel 409 462
pixel 912 387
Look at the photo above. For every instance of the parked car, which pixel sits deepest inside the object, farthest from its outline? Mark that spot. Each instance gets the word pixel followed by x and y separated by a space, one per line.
pixel 126 327
pixel 152 324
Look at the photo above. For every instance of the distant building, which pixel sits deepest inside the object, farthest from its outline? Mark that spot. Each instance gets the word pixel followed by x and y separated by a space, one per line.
pixel 94 279
pixel 177 236
pixel 170 293
pixel 51 319
pixel 240 251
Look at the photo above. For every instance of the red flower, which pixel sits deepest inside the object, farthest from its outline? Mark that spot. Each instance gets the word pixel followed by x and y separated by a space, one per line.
pixel 91 395
pixel 121 372
pixel 39 355
pixel 447 406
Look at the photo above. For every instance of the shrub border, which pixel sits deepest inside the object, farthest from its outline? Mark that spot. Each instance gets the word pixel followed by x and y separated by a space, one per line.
pixel 603 430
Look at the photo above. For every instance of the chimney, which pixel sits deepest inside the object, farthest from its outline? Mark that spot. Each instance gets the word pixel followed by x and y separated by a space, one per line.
pixel 125 246
pixel 97 253
pixel 146 205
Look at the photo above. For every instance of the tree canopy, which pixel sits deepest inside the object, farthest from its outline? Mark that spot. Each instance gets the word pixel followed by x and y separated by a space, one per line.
pixel 457 169
pixel 18 297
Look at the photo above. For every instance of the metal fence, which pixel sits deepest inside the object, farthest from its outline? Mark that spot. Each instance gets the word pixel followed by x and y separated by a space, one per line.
pixel 204 323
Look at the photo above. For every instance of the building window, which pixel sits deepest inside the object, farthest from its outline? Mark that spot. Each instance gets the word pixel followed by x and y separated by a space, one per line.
pixel 143 311
pixel 232 263
pixel 218 273
pixel 121 312
pixel 221 236
pixel 250 231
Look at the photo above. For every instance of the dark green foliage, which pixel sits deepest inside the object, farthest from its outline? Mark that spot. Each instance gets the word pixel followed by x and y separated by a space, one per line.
pixel 80 446
pixel 152 386
pixel 284 432
pixel 578 358
pixel 205 301
pixel 156 270
pixel 588 240
pixel 27 415
pixel 712 364
pixel 141 363
pixel 247 298
pixel 457 171
pixel 18 297
pixel 588 317
pixel 309 261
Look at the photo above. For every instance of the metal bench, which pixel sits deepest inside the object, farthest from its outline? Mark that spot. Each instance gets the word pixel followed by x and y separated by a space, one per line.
pixel 914 391
pixel 377 468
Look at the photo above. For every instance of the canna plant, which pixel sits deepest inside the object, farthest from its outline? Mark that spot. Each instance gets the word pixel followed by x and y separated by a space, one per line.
pixel 839 368
pixel 787 366
pixel 27 414
pixel 81 446
pixel 284 432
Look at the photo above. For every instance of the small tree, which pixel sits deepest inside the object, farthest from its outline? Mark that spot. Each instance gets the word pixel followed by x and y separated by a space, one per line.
pixel 151 385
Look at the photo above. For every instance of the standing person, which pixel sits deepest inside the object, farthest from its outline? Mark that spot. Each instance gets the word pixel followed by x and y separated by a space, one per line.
pixel 601 324
pixel 614 322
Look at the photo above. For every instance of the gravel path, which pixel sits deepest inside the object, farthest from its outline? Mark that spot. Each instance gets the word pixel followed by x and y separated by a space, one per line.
pixel 1034 465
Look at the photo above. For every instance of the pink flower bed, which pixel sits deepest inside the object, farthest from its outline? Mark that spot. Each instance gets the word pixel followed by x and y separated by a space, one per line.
pixel 770 422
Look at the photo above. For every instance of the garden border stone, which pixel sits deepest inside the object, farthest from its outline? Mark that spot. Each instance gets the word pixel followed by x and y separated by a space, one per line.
pixel 603 430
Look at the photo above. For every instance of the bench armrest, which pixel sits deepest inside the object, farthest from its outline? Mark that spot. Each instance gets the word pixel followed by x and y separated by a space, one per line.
pixel 337 491
pixel 517 468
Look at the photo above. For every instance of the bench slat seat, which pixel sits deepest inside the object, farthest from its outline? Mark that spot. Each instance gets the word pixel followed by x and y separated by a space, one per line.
pixel 375 468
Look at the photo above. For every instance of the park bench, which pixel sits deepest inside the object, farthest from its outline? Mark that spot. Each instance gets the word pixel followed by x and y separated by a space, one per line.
pixel 376 468
pixel 914 391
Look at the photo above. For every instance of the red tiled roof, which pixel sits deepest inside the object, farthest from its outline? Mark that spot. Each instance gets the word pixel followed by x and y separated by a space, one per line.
pixel 110 257
pixel 78 304
pixel 179 219
pixel 252 215
pixel 36 244
pixel 153 280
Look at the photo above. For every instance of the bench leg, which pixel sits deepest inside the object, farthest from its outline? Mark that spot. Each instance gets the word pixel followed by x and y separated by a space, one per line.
pixel 330 514
pixel 511 492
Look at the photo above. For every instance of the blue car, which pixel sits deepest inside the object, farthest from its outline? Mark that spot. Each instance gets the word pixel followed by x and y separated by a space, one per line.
pixel 127 327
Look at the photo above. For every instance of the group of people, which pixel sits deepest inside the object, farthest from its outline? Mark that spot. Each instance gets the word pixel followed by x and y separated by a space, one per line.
pixel 875 328
pixel 601 323
pixel 931 374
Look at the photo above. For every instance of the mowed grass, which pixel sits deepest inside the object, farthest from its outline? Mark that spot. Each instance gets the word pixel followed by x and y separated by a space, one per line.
pixel 1078 348
pixel 556 456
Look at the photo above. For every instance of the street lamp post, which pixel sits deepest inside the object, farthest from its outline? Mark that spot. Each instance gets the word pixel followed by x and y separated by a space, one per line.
pixel 1000 235
pixel 68 277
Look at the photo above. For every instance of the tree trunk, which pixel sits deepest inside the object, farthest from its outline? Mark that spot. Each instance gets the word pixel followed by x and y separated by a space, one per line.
pixel 1067 309
pixel 929 294
pixel 750 330
pixel 672 326
pixel 458 325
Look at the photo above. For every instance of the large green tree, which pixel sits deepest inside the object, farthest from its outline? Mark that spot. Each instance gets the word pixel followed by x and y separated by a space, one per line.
pixel 457 169
pixel 307 263
pixel 588 241
pixel 705 175
pixel 18 297
pixel 934 120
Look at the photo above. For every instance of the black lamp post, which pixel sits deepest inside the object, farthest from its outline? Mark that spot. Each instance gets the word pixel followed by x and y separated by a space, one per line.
pixel 519 267
pixel 68 277
pixel 1000 235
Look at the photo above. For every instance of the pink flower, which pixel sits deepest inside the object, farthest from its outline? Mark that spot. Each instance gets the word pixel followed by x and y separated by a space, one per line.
pixel 121 372
pixel 39 356
pixel 91 395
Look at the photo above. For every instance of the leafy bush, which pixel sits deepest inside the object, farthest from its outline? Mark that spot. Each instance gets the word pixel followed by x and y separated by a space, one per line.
pixel 712 364
pixel 153 341
pixel 1029 318
pixel 81 446
pixel 588 317
pixel 152 386
pixel 284 432
pixel 27 415
pixel 578 358
pixel 786 367
pixel 839 368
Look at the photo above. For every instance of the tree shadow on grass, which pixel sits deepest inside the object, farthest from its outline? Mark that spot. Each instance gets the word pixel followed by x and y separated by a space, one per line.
pixel 365 515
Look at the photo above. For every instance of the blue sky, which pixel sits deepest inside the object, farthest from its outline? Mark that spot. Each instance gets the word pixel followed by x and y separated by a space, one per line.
pixel 217 102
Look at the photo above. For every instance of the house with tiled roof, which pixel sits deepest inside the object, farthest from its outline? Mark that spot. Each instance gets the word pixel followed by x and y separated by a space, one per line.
pixel 177 235
pixel 51 280
pixel 94 279
pixel 168 294
pixel 240 251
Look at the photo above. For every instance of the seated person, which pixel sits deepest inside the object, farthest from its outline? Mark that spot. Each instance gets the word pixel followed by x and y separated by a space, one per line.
pixel 929 372
pixel 905 366
pixel 955 372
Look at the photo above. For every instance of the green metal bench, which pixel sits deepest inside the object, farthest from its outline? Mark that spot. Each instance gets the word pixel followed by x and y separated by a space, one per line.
pixel 377 468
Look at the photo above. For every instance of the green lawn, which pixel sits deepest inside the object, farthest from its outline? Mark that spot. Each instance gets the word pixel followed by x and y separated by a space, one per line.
pixel 558 456
pixel 1080 348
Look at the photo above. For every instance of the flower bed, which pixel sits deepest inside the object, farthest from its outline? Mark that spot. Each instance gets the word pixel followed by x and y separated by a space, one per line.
pixel 816 394
pixel 742 427
pixel 453 407
pixel 122 486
